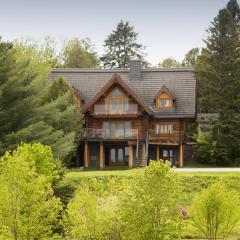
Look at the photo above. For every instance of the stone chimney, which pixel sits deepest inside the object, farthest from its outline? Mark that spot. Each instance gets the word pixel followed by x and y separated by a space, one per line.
pixel 135 70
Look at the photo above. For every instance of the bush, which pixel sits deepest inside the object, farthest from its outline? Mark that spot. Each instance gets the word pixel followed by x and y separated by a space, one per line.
pixel 149 209
pixel 92 213
pixel 215 211
pixel 28 207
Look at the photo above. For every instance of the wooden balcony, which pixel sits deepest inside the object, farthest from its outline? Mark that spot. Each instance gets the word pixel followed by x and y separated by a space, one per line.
pixel 106 134
pixel 175 136
pixel 125 109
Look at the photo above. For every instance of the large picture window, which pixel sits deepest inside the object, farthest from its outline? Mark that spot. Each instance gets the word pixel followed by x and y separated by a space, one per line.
pixel 116 102
pixel 117 129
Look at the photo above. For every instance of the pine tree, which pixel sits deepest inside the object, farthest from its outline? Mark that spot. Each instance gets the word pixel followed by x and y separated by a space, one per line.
pixel 33 109
pixel 218 74
pixel 121 45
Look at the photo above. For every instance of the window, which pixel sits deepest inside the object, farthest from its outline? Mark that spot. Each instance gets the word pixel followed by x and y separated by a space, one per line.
pixel 164 128
pixel 113 155
pixel 119 155
pixel 116 102
pixel 117 129
pixel 164 102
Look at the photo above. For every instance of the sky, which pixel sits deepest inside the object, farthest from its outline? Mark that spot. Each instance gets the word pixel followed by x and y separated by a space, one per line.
pixel 168 28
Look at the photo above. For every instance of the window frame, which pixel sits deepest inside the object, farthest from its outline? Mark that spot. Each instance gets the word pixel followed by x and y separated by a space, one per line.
pixel 167 98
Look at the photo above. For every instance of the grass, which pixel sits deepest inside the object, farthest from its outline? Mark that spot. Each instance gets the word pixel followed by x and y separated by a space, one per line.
pixel 193 183
pixel 106 172
pixel 76 173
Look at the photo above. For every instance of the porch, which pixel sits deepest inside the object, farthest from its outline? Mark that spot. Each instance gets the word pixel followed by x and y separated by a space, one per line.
pixel 101 154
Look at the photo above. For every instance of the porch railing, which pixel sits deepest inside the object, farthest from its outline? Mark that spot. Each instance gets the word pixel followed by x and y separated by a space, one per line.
pixel 101 134
pixel 104 109
pixel 171 136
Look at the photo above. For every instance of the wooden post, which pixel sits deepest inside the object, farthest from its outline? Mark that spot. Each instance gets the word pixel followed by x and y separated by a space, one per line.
pixel 130 158
pixel 102 157
pixel 157 155
pixel 181 155
pixel 86 155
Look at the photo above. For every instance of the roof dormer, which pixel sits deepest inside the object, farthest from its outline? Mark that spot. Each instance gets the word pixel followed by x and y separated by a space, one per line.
pixel 164 98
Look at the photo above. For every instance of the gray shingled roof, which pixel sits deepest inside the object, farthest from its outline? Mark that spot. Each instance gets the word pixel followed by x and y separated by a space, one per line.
pixel 180 81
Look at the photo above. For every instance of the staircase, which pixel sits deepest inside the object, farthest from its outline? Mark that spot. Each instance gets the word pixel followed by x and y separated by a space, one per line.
pixel 141 153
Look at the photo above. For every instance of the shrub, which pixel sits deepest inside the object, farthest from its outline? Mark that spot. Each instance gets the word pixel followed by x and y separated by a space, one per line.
pixel 215 211
pixel 28 208
pixel 150 206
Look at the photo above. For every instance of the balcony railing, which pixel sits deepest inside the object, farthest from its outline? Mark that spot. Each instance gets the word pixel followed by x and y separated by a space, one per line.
pixel 101 134
pixel 170 136
pixel 104 109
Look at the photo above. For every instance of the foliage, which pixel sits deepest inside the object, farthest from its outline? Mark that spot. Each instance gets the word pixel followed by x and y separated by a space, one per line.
pixel 206 148
pixel 92 214
pixel 41 158
pixel 28 208
pixel 58 108
pixel 191 57
pixel 218 75
pixel 157 194
pixel 79 54
pixel 42 52
pixel 169 63
pixel 27 111
pixel 215 212
pixel 121 46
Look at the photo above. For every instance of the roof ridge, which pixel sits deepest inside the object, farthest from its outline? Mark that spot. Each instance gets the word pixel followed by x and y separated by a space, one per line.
pixel 114 70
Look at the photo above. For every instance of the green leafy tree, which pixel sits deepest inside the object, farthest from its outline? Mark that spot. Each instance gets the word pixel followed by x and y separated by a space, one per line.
pixel 28 208
pixel 93 213
pixel 191 57
pixel 215 212
pixel 218 75
pixel 44 51
pixel 79 54
pixel 121 46
pixel 169 63
pixel 150 206
pixel 34 109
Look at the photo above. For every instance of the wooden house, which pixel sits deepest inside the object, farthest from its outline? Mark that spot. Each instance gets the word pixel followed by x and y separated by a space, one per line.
pixel 133 115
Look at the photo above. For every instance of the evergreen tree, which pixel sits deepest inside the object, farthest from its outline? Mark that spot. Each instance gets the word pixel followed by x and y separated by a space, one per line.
pixel 218 75
pixel 121 46
pixel 28 112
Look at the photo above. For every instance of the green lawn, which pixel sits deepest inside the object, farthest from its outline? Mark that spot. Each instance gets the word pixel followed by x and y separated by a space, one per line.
pixel 76 173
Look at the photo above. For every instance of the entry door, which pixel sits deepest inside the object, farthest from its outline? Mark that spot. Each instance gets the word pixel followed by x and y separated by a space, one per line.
pixel 167 154
pixel 117 156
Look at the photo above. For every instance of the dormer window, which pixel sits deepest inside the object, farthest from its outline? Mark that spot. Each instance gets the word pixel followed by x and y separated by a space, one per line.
pixel 164 102
pixel 164 98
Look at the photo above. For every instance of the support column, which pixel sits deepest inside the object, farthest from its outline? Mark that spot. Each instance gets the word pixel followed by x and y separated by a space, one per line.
pixel 181 155
pixel 86 155
pixel 102 156
pixel 158 154
pixel 130 158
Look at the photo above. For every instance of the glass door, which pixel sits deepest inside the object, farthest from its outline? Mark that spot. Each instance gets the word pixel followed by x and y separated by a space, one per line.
pixel 167 154
pixel 118 156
